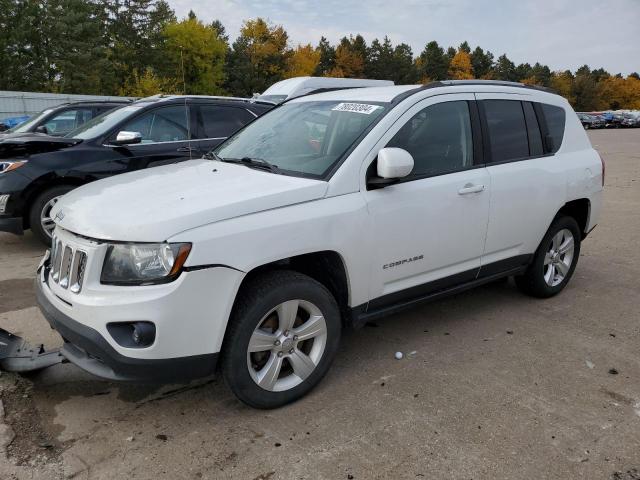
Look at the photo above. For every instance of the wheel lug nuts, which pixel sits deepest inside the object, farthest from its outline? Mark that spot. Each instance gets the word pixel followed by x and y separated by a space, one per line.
pixel 291 351
pixel 280 354
pixel 276 343
pixel 295 337
pixel 286 333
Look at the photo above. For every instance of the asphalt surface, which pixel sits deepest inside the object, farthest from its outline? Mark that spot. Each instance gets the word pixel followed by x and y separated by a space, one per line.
pixel 501 386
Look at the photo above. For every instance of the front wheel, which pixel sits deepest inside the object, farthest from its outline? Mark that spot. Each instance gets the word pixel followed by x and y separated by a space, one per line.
pixel 281 340
pixel 41 223
pixel 554 261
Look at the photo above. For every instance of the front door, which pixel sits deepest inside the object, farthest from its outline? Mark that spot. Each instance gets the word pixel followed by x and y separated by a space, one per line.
pixel 430 228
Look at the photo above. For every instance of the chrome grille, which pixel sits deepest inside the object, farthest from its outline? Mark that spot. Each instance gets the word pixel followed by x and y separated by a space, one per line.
pixel 67 265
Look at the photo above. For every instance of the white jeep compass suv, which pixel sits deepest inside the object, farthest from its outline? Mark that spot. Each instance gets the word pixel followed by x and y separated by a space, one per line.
pixel 329 210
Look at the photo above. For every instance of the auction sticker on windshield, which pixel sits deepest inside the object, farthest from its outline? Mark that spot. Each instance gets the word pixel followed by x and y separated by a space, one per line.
pixel 356 108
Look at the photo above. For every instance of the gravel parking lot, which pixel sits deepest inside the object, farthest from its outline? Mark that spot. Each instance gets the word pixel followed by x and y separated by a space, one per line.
pixel 501 386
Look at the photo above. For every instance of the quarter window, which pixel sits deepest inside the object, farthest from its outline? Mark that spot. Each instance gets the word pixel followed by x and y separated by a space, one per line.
pixel 165 124
pixel 555 118
pixel 507 130
pixel 67 121
pixel 439 139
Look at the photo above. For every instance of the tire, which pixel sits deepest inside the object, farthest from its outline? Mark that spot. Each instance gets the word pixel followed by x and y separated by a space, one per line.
pixel 551 269
pixel 38 212
pixel 263 313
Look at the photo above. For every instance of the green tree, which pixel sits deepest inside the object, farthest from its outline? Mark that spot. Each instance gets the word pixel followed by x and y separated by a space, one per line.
pixel 351 55
pixel 194 49
pixel 481 62
pixel 504 69
pixel 258 58
pixel 464 47
pixel 433 63
pixel 327 58
pixel 386 62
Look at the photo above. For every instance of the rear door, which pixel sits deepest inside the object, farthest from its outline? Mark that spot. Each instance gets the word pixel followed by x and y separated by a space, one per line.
pixel 67 121
pixel 217 122
pixel 528 180
pixel 166 137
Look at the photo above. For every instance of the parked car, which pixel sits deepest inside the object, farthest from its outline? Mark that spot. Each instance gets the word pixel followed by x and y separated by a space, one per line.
pixel 36 170
pixel 290 88
pixel 12 122
pixel 630 120
pixel 590 121
pixel 61 120
pixel 329 210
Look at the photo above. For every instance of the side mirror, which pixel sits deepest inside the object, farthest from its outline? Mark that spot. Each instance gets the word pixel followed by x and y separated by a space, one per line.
pixel 42 129
pixel 127 138
pixel 392 165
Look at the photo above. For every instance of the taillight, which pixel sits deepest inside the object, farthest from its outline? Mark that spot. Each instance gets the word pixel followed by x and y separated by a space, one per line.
pixel 603 168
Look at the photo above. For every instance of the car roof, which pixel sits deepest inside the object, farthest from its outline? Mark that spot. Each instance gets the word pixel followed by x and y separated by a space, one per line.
pixel 93 102
pixel 400 92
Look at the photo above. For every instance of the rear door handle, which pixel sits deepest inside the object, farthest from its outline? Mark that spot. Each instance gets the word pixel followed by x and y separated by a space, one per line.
pixel 470 188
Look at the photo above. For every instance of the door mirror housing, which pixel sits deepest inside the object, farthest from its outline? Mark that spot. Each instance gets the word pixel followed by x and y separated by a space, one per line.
pixel 392 165
pixel 42 129
pixel 127 138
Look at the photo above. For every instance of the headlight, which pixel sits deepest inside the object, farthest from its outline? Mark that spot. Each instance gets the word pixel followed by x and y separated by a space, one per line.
pixel 144 263
pixel 7 166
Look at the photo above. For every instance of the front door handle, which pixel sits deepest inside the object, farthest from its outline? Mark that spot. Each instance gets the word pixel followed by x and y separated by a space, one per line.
pixel 184 149
pixel 470 188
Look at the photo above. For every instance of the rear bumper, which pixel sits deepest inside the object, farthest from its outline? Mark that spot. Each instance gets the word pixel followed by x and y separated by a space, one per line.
pixel 11 225
pixel 88 349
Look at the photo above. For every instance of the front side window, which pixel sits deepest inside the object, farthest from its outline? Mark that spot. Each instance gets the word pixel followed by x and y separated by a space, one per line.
pixel 303 137
pixel 555 118
pixel 439 139
pixel 507 130
pixel 164 124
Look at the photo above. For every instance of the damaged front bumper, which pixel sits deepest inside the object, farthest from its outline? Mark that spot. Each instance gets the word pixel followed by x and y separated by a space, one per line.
pixel 17 355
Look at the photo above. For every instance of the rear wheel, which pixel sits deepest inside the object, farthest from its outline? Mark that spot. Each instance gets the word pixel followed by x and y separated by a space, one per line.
pixel 40 220
pixel 555 260
pixel 281 340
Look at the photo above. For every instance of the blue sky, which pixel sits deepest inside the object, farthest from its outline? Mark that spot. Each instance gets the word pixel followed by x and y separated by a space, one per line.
pixel 559 33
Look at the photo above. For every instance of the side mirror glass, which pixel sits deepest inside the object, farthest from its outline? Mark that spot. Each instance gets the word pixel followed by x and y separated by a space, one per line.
pixel 127 138
pixel 42 129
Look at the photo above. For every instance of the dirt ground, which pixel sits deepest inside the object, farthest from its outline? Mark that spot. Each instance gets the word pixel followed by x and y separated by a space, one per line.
pixel 501 386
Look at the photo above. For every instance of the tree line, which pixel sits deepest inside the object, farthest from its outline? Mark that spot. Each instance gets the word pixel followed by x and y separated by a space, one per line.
pixel 140 48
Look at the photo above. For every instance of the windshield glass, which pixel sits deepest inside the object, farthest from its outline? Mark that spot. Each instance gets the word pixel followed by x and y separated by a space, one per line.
pixel 102 124
pixel 307 138
pixel 26 126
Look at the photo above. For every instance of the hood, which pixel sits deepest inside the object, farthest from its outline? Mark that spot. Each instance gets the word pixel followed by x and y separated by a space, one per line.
pixel 22 144
pixel 155 204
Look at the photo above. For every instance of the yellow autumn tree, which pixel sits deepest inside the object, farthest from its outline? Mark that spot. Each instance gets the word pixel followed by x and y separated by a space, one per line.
pixel 349 64
pixel 460 66
pixel 303 61
pixel 618 92
pixel 149 84
pixel 562 82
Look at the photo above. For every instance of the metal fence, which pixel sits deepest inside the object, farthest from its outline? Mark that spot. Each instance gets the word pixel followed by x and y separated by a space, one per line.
pixel 14 104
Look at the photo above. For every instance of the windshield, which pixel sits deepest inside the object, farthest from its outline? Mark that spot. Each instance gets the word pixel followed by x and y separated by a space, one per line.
pixel 102 124
pixel 307 137
pixel 26 126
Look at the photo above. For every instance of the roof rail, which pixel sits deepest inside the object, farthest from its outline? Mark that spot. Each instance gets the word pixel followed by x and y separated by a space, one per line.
pixel 456 83
pixel 208 97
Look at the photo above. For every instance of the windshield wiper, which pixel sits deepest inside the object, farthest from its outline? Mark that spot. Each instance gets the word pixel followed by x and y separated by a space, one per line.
pixel 252 162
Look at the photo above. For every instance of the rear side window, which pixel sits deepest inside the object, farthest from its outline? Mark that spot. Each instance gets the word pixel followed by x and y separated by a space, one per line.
pixel 438 138
pixel 507 130
pixel 220 122
pixel 555 118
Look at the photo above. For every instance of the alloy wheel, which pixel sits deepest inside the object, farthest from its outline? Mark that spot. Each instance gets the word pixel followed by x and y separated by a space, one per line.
pixel 287 345
pixel 48 225
pixel 559 257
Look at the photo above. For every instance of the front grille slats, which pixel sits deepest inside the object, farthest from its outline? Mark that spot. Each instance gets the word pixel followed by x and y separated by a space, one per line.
pixel 68 265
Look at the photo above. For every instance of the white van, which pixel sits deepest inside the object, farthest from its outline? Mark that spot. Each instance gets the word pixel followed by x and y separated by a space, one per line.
pixel 298 86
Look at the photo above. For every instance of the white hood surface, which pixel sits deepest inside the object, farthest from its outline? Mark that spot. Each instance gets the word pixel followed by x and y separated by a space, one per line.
pixel 155 204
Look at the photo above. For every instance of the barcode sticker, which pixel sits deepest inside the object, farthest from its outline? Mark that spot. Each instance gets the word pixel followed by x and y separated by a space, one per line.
pixel 356 108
